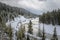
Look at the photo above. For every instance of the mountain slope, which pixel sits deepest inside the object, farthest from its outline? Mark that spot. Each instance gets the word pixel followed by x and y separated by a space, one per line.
pixel 6 10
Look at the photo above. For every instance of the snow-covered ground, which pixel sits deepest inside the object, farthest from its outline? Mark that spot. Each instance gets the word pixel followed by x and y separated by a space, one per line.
pixel 49 29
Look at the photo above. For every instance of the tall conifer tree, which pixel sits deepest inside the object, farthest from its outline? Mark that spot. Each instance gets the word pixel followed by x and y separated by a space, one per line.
pixel 30 28
pixel 43 36
pixel 54 35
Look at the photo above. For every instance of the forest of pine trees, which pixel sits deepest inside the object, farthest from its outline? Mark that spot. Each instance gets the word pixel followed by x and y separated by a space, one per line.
pixel 52 17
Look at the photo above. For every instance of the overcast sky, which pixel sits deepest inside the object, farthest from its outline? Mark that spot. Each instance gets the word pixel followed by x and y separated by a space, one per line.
pixel 35 6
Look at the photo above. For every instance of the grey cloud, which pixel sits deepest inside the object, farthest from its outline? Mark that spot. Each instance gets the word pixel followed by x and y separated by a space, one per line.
pixel 42 0
pixel 49 5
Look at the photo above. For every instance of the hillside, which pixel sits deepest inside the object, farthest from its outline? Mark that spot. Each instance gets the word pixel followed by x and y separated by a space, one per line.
pixel 9 12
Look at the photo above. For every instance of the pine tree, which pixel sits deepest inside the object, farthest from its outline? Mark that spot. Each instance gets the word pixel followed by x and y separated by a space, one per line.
pixel 39 31
pixel 23 31
pixel 54 35
pixel 42 18
pixel 28 37
pixel 9 31
pixel 20 33
pixel 43 36
pixel 0 19
pixel 30 28
pixel 2 28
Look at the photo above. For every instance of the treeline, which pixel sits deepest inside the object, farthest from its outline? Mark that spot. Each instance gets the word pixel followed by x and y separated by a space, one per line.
pixel 52 17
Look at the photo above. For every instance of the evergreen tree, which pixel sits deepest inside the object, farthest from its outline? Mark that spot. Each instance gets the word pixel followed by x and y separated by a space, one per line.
pixel 2 28
pixel 0 19
pixel 30 28
pixel 54 35
pixel 28 37
pixel 8 30
pixel 43 36
pixel 20 33
pixel 42 18
pixel 47 18
pixel 39 31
